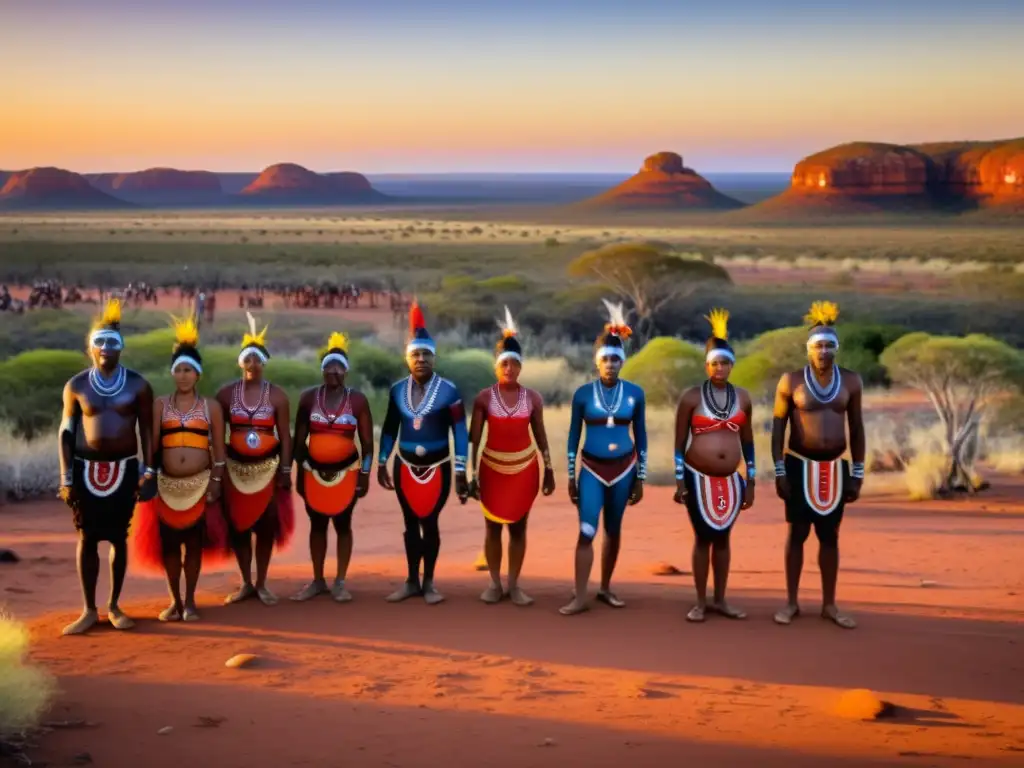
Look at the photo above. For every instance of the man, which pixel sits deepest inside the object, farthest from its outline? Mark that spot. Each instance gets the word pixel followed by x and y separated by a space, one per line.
pixel 614 462
pixel 100 472
pixel 422 410
pixel 811 477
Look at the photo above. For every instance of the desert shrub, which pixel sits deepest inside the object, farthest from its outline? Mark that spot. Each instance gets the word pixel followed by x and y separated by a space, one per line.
pixel 552 378
pixel 31 384
pixel 664 368
pixel 375 367
pixel 26 690
pixel 471 370
pixel 28 468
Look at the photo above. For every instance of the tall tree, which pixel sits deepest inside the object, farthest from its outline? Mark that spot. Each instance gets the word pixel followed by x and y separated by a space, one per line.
pixel 647 276
pixel 962 376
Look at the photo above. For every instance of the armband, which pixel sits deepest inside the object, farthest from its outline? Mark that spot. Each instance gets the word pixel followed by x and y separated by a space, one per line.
pixel 460 465
pixel 780 469
pixel 641 471
pixel 367 463
pixel 571 460
pixel 858 470
pixel 680 466
pixel 748 453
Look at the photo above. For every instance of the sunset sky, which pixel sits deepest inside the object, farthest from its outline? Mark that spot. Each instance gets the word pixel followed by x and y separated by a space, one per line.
pixel 386 86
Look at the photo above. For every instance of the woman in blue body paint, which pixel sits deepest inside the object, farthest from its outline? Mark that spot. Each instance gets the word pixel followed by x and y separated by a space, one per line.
pixel 614 462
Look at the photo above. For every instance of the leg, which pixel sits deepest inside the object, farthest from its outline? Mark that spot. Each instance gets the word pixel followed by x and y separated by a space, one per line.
pixel 721 555
pixel 413 548
pixel 798 533
pixel 827 531
pixel 118 570
pixel 615 500
pixel 431 549
pixel 170 544
pixel 318 553
pixel 492 551
pixel 516 555
pixel 591 500
pixel 701 563
pixel 88 559
pixel 193 566
pixel 241 543
pixel 264 550
pixel 343 531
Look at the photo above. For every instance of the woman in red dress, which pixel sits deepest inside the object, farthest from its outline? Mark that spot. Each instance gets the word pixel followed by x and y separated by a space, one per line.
pixel 508 476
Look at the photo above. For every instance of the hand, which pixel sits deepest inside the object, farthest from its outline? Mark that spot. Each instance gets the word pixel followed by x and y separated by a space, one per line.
pixel 362 484
pixel 147 488
pixel 574 492
pixel 636 494
pixel 474 488
pixel 284 480
pixel 681 492
pixel 853 489
pixel 782 487
pixel 68 495
pixel 549 481
pixel 461 487
pixel 748 495
pixel 384 479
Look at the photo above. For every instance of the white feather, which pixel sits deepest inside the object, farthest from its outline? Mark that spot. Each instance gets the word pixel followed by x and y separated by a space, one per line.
pixel 616 315
pixel 252 323
pixel 508 324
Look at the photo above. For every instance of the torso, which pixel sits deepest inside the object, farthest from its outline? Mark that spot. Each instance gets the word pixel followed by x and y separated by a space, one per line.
pixel 608 415
pixel 108 413
pixel 508 423
pixel 818 416
pixel 252 420
pixel 184 437
pixel 713 446
pixel 425 415
pixel 332 426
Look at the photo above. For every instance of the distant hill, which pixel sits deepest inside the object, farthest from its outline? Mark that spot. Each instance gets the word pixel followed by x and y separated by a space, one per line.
pixel 161 186
pixel 54 189
pixel 663 183
pixel 291 184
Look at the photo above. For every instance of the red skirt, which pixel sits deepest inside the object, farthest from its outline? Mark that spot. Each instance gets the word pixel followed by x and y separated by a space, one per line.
pixel 507 497
pixel 422 491
pixel 153 528
pixel 246 507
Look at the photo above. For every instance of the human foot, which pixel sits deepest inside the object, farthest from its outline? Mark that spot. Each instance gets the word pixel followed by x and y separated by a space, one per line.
pixel 576 606
pixel 118 619
pixel 493 594
pixel 82 624
pixel 787 614
pixel 404 592
pixel 170 613
pixel 311 590
pixel 518 597
pixel 833 614
pixel 696 614
pixel 244 592
pixel 724 609
pixel 190 613
pixel 430 594
pixel 608 597
pixel 266 596
pixel 339 593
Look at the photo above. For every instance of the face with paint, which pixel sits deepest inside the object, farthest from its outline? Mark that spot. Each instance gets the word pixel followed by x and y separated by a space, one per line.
pixel 105 349
pixel 334 374
pixel 718 368
pixel 421 363
pixel 507 371
pixel 608 367
pixel 822 354
pixel 185 378
pixel 252 367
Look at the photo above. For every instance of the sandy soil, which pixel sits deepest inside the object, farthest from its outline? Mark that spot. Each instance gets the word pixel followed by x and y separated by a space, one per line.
pixel 937 588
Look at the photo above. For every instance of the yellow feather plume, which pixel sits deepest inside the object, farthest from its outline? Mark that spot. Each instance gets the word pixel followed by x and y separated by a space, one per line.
pixel 719 319
pixel 111 312
pixel 822 313
pixel 338 341
pixel 252 338
pixel 186 331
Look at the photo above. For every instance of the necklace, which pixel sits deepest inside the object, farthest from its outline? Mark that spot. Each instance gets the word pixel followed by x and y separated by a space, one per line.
pixel 252 439
pixel 826 394
pixel 430 391
pixel 102 388
pixel 321 398
pixel 708 391
pixel 602 401
pixel 520 398
pixel 175 411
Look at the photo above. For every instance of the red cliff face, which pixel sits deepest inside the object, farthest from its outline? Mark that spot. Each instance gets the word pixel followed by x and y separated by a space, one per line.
pixel 291 183
pixel 864 169
pixel 663 183
pixel 53 188
pixel 160 185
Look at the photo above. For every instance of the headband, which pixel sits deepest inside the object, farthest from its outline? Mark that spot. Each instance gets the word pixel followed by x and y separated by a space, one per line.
pixel 618 352
pixel 719 352
pixel 509 355
pixel 105 333
pixel 426 344
pixel 334 357
pixel 188 360
pixel 251 350
pixel 814 338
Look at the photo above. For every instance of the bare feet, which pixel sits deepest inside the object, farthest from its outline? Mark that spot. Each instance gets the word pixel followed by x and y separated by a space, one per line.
pixel 430 594
pixel 339 593
pixel 266 596
pixel 724 609
pixel 832 613
pixel 576 606
pixel 608 597
pixel 696 614
pixel 519 597
pixel 404 592
pixel 310 591
pixel 82 624
pixel 190 613
pixel 244 592
pixel 170 613
pixel 493 594
pixel 787 614
pixel 117 618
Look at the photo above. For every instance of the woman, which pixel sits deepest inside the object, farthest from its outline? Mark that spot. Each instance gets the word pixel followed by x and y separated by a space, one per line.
pixel 614 462
pixel 259 459
pixel 326 423
pixel 188 450
pixel 713 429
pixel 508 477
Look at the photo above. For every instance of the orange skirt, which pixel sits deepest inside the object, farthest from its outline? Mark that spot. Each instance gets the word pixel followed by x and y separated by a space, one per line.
pixel 249 490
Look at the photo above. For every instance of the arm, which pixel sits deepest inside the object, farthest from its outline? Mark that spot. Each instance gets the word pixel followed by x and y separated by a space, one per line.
pixel 389 432
pixel 540 434
pixel 364 422
pixel 284 434
pixel 783 407
pixel 301 427
pixel 747 437
pixel 855 417
pixel 461 437
pixel 216 450
pixel 640 434
pixel 575 433
pixel 476 429
pixel 68 426
pixel 146 427
pixel 158 418
pixel 684 415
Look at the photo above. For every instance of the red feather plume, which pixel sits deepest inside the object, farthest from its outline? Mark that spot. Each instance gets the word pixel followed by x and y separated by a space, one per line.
pixel 416 319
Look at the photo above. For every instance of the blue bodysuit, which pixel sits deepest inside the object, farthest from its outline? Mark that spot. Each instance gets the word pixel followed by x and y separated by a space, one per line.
pixel 612 458
pixel 422 432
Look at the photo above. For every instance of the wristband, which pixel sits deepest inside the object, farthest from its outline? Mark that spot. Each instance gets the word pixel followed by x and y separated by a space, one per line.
pixel 680 466
pixel 858 470
pixel 571 459
pixel 751 471
pixel 641 471
pixel 460 465
pixel 367 463
pixel 67 479
pixel 219 463
pixel 780 469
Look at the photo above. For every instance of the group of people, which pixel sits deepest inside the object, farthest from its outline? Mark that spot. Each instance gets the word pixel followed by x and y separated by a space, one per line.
pixel 216 474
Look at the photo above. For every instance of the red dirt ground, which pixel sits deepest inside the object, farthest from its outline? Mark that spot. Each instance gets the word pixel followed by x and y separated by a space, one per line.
pixel 468 684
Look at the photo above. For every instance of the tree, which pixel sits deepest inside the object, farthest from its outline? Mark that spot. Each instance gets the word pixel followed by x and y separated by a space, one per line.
pixel 665 367
pixel 647 276
pixel 962 377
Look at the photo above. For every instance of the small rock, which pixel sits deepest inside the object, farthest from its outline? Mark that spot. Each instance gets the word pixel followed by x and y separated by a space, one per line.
pixel 548 742
pixel 666 569
pixel 82 758
pixel 861 704
pixel 929 583
pixel 165 730
pixel 240 660
pixel 9 556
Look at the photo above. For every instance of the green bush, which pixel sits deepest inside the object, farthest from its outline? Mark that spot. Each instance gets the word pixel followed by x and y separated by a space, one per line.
pixel 664 368
pixel 32 383
pixel 471 370
pixel 375 367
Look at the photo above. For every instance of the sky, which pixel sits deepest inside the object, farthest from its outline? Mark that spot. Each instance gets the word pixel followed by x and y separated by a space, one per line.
pixel 423 86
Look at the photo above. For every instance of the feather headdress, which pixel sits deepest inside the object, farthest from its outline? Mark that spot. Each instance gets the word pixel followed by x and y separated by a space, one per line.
pixel 717 345
pixel 110 317
pixel 253 339
pixel 335 351
pixel 337 341
pixel 419 337
pixel 186 344
pixel 719 320
pixel 508 325
pixel 508 346
pixel 822 313
pixel 616 324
